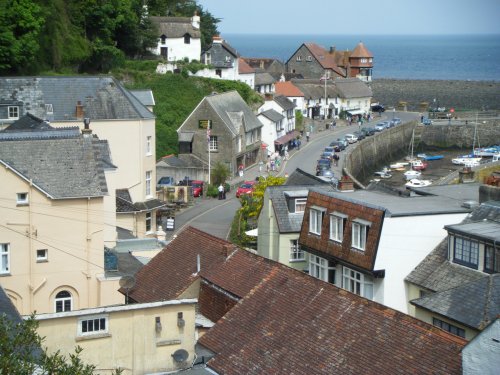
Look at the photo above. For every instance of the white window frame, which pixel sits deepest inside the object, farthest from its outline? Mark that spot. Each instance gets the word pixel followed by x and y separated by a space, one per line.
pixel 213 144
pixel 13 112
pixel 63 301
pixel 42 255
pixel 93 325
pixel 149 143
pixel 22 198
pixel 359 234
pixel 356 282
pixel 316 220
pixel 4 258
pixel 296 252
pixel 49 109
pixel 337 222
pixel 149 175
pixel 300 204
pixel 320 268
pixel 299 58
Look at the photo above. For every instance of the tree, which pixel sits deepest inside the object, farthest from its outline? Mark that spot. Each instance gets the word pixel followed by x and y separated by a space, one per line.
pixel 219 173
pixel 21 353
pixel 20 25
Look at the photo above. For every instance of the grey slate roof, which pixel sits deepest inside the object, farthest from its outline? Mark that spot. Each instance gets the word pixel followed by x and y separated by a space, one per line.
pixel 475 304
pixel 233 110
pixel 272 115
pixel 124 203
pixel 222 55
pixel 302 178
pixel 284 102
pixel 264 79
pixel 28 122
pixel 352 88
pixel 103 98
pixel 175 27
pixel 314 89
pixel 32 127
pixel 63 167
pixel 144 96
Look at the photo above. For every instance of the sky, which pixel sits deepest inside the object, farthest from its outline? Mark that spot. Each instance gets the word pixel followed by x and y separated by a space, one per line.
pixel 356 17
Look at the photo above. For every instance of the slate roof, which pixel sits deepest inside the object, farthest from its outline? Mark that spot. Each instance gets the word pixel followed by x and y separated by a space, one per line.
pixel 291 323
pixel 102 97
pixel 174 269
pixel 475 304
pixel 63 167
pixel 300 177
pixel 124 203
pixel 264 79
pixel 175 27
pixel 233 110
pixel 144 96
pixel 313 89
pixel 287 222
pixel 32 127
pixel 222 55
pixel 28 122
pixel 284 102
pixel 287 88
pixel 272 115
pixel 352 88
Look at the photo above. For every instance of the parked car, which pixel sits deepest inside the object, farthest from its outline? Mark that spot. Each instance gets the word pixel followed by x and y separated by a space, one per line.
pixel 323 164
pixel 427 121
pixel 197 188
pixel 337 145
pixel 351 138
pixel 344 141
pixel 388 124
pixel 330 151
pixel 396 121
pixel 379 127
pixel 360 135
pixel 368 131
pixel 377 108
pixel 165 181
pixel 246 187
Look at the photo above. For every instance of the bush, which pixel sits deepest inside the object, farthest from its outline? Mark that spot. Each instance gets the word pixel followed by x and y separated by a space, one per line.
pixel 212 191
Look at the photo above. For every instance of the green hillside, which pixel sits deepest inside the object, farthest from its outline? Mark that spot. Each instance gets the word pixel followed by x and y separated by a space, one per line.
pixel 176 95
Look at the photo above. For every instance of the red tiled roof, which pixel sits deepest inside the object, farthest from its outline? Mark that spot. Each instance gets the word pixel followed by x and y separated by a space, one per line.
pixel 244 68
pixel 173 269
pixel 326 59
pixel 361 51
pixel 287 88
pixel 292 323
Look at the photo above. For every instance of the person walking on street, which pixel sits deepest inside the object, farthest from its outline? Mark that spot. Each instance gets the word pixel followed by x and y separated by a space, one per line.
pixel 307 136
pixel 221 191
pixel 335 160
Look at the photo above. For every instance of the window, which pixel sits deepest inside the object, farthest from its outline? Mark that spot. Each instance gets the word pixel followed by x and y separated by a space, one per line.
pixel 355 282
pixel 164 52
pixel 213 144
pixel 148 145
pixel 22 198
pixel 4 258
pixel 466 252
pixel 491 259
pixel 208 58
pixel 163 39
pixel 315 220
pixel 322 269
pixel 49 109
pixel 299 58
pixel 300 204
pixel 364 60
pixel 218 72
pixel 42 255
pixel 296 253
pixel 359 233
pixel 148 221
pixel 93 325
pixel 337 227
pixel 448 327
pixel 13 112
pixel 148 183
pixel 63 301
pixel 309 58
pixel 187 39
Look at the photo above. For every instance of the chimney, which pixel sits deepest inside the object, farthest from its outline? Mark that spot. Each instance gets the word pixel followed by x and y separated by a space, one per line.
pixel 332 49
pixel 346 184
pixel 217 39
pixel 227 250
pixel 195 20
pixel 86 131
pixel 79 110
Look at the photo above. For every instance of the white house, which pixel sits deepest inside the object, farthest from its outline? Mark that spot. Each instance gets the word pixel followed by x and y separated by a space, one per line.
pixel 222 61
pixel 293 93
pixel 179 38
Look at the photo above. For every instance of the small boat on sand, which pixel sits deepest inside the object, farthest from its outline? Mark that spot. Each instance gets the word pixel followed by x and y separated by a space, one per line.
pixel 399 166
pixel 415 182
pixel 430 157
pixel 412 174
pixel 418 165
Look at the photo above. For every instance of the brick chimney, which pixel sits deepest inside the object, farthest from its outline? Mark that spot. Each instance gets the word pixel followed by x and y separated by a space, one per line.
pixel 217 39
pixel 79 110
pixel 227 250
pixel 346 184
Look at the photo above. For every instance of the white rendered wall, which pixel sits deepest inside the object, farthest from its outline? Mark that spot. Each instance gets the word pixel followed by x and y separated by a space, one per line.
pixel 178 50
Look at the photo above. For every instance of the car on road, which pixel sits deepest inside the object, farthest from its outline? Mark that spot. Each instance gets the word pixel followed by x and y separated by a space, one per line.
pixel 247 187
pixel 351 138
pixel 396 121
pixel 360 135
pixel 197 188
pixel 377 108
pixel 368 130
pixel 329 151
pixel 379 127
pixel 337 145
pixel 323 164
pixel 426 121
pixel 344 141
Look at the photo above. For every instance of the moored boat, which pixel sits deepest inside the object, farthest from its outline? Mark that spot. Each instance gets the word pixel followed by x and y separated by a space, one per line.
pixel 415 182
pixel 465 160
pixel 411 174
pixel 430 157
pixel 418 165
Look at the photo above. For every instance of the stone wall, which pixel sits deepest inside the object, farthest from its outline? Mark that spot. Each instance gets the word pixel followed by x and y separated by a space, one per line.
pixel 462 136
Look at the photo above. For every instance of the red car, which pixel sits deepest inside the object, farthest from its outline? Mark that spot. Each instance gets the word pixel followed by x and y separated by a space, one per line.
pixel 197 188
pixel 246 188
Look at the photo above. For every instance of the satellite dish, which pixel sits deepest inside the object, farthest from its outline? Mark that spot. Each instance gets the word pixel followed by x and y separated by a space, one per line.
pixel 127 282
pixel 180 355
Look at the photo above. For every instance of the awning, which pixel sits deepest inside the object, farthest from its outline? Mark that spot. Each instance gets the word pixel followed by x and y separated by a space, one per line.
pixel 355 111
pixel 253 232
pixel 286 138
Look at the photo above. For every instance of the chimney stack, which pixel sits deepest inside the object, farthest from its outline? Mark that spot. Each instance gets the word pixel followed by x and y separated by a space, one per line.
pixel 86 131
pixel 227 250
pixel 332 49
pixel 79 110
pixel 217 39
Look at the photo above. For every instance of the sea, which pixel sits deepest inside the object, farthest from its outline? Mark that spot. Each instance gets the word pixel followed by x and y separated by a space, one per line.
pixel 426 57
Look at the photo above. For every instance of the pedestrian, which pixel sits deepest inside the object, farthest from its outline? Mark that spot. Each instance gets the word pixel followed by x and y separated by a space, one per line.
pixel 221 191
pixel 307 136
pixel 335 160
pixel 298 144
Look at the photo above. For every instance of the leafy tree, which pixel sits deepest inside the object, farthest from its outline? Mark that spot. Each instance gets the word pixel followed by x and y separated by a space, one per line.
pixel 219 173
pixel 20 25
pixel 21 353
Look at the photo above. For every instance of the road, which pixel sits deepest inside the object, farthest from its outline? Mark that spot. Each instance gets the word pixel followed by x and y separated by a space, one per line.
pixel 215 216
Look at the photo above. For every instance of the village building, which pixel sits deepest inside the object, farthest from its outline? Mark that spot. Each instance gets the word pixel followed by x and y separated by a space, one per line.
pixel 285 128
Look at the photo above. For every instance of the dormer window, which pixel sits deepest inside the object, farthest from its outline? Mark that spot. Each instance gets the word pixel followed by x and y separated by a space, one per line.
pixel 316 219
pixel 13 112
pixel 337 225
pixel 465 252
pixel 359 233
pixel 187 39
pixel 491 259
pixel 300 204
